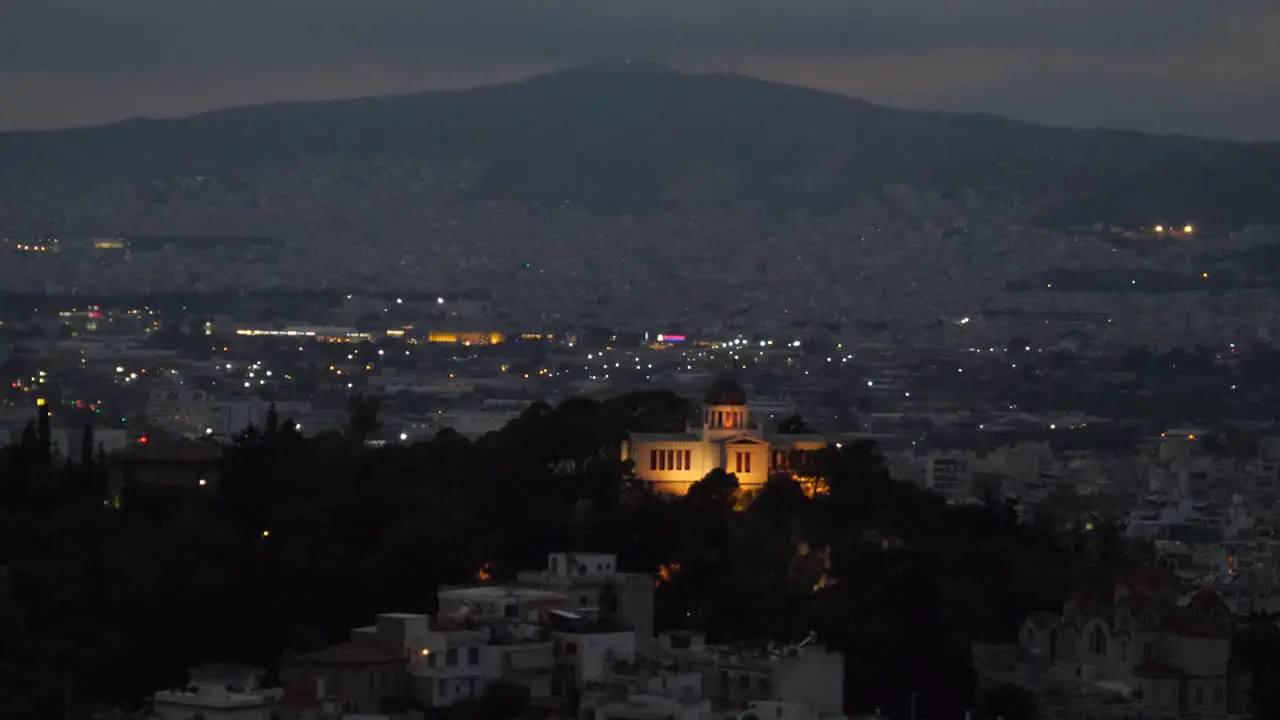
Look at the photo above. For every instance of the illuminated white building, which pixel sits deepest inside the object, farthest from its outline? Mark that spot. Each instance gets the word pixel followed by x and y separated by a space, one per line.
pixel 728 439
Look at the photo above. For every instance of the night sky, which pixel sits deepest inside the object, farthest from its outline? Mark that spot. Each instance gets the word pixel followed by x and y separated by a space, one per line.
pixel 1201 67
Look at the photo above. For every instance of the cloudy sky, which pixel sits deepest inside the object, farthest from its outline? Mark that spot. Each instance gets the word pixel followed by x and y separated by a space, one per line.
pixel 1203 67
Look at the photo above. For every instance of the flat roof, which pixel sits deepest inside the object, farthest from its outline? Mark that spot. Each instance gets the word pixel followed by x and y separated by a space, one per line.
pixel 495 592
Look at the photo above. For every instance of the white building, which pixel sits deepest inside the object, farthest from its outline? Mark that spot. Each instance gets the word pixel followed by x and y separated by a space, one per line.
pixel 642 691
pixel 949 475
pixel 583 578
pixel 729 439
pixel 805 674
pixel 586 647
pixel 219 692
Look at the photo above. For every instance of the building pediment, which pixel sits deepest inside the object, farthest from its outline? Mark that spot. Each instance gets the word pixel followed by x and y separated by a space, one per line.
pixel 744 440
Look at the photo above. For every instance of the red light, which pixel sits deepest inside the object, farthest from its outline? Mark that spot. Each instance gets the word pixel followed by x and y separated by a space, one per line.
pixel 79 404
pixel 142 440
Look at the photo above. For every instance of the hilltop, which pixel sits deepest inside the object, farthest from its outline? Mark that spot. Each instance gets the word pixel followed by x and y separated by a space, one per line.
pixel 636 138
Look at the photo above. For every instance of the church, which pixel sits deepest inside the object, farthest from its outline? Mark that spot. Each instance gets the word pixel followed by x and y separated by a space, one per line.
pixel 728 438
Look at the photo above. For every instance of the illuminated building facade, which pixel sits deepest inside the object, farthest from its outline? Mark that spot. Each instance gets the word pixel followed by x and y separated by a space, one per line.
pixel 727 439
pixel 466 338
pixel 319 334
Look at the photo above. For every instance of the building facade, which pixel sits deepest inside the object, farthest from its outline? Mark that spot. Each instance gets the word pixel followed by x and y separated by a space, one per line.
pixel 1172 649
pixel 728 438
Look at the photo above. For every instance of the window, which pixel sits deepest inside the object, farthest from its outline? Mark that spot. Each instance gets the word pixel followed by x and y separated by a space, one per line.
pixel 737 460
pixel 1199 694
pixel 555 563
pixel 1146 650
pixel 473 655
pixel 653 459
pixel 671 460
pixel 688 459
pixel 1098 643
pixel 431 660
pixel 1217 692
pixel 451 657
pixel 442 689
pixel 746 462
pixel 570 648
pixel 511 611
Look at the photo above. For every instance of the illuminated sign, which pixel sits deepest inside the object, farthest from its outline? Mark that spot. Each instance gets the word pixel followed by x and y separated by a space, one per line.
pixel 671 338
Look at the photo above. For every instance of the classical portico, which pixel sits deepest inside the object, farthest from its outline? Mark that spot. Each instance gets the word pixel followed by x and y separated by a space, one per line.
pixel 727 439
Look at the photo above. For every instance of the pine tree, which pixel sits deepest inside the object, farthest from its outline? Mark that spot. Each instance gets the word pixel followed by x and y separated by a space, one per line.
pixel 44 435
pixel 87 446
pixel 30 443
pixel 273 422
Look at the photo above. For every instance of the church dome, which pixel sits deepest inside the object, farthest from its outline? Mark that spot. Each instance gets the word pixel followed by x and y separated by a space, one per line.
pixel 725 391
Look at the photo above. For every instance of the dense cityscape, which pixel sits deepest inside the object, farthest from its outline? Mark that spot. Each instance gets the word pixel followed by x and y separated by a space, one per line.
pixel 332 439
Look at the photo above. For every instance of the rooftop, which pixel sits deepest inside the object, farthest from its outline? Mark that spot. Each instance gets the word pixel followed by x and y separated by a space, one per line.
pixel 349 653
pixel 207 696
pixel 496 592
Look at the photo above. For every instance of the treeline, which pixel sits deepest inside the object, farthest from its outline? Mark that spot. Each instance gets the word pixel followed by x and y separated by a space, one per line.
pixel 301 539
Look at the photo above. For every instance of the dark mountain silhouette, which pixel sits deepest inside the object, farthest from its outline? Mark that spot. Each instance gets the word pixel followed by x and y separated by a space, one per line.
pixel 617 138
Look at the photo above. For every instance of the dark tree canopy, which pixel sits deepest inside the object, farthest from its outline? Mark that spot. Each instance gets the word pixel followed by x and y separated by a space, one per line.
pixel 304 538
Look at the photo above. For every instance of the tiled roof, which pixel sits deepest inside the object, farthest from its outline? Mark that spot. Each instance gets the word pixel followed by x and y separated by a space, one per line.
pixel 350 653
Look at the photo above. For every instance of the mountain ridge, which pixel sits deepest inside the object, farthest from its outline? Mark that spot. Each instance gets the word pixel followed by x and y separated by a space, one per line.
pixel 618 138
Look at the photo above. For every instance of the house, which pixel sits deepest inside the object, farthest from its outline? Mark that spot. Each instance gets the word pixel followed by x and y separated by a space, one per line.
pixel 1173 649
pixel 804 674
pixel 586 645
pixel 365 674
pixel 483 634
pixel 644 690
pixel 588 579
pixel 219 692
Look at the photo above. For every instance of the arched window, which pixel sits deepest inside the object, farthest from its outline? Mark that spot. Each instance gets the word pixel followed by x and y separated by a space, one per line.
pixel 1098 643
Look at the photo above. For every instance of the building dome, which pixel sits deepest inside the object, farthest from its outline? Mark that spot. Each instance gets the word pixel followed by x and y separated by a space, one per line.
pixel 725 391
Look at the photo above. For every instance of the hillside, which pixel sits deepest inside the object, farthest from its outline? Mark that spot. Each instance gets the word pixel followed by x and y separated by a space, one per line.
pixel 633 138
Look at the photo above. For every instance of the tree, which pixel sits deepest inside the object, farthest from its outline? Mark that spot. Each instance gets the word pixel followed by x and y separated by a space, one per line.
pixel 362 418
pixel 715 492
pixel 44 434
pixel 273 423
pixel 87 447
